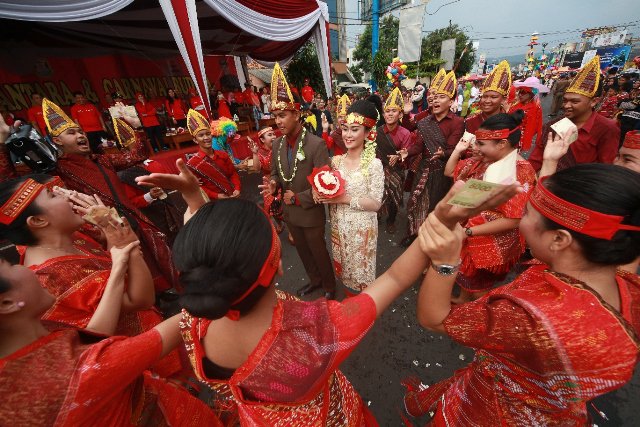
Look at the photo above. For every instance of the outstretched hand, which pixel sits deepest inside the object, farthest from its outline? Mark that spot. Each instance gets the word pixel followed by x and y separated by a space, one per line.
pixel 438 242
pixel 451 215
pixel 268 187
pixel 184 182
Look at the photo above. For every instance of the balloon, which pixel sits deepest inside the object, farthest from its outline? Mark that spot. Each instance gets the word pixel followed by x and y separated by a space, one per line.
pixel 396 84
pixel 404 67
pixel 389 76
pixel 394 71
pixel 396 59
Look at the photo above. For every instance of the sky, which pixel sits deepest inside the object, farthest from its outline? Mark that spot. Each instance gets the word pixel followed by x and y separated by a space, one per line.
pixel 503 26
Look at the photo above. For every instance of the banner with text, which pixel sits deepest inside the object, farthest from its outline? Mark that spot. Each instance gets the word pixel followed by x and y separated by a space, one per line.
pixel 58 78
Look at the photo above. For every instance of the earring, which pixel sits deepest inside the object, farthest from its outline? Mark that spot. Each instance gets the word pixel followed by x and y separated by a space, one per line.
pixel 20 304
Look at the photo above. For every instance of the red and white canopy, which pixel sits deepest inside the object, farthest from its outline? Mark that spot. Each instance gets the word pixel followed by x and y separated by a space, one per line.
pixel 266 30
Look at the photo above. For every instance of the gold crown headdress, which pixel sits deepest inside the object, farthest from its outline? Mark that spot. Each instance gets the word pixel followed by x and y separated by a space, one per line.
pixel 125 134
pixel 587 80
pixel 281 97
pixel 56 120
pixel 499 80
pixel 196 122
pixel 444 83
pixel 343 105
pixel 394 100
pixel 437 79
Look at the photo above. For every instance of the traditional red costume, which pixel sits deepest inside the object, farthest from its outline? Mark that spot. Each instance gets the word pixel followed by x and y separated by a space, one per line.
pixel 292 378
pixel 486 259
pixel 532 122
pixel 96 174
pixel 334 141
pixel 68 379
pixel 216 172
pixel 545 343
pixel 499 81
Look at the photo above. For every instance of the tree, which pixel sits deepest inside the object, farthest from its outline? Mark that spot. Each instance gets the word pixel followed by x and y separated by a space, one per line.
pixel 432 44
pixel 356 72
pixel 388 43
pixel 305 65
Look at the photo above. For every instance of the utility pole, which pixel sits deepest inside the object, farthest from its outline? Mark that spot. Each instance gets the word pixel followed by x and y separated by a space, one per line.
pixel 375 36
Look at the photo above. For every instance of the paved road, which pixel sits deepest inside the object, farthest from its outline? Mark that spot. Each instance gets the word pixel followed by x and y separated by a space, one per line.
pixel 397 347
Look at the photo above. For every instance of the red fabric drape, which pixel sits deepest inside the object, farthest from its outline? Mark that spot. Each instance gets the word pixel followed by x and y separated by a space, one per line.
pixel 283 9
pixel 180 10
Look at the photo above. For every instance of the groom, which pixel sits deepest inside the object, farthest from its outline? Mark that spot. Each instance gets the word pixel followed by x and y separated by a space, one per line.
pixel 295 154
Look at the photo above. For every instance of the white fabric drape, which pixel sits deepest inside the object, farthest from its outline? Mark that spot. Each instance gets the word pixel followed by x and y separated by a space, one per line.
pixel 281 29
pixel 59 10
pixel 169 14
pixel 263 26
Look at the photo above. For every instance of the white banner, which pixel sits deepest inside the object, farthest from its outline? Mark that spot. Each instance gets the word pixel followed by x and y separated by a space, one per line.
pixel 410 34
pixel 448 53
pixel 608 39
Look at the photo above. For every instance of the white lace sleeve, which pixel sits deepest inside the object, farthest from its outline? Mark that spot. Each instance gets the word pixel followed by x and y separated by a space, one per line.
pixel 376 180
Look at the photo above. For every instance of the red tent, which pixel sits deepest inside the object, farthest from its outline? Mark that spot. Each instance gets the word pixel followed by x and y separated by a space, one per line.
pixel 267 30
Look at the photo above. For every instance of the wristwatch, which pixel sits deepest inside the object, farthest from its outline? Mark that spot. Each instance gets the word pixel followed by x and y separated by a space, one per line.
pixel 446 269
pixel 468 231
pixel 293 199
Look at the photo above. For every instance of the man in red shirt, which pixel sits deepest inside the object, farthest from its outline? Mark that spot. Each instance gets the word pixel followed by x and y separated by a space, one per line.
pixel 90 119
pixel 34 114
pixel 598 137
pixel 149 117
pixel 307 93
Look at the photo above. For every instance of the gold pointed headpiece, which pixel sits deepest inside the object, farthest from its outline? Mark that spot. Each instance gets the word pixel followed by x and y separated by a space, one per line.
pixel 281 97
pixel 437 79
pixel 587 80
pixel 196 122
pixel 125 134
pixel 499 80
pixel 446 85
pixel 56 120
pixel 343 105
pixel 394 100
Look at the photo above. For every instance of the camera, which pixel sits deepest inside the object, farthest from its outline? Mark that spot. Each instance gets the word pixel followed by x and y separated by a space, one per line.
pixel 34 150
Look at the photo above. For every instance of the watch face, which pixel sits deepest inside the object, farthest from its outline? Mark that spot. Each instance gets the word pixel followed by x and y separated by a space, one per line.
pixel 446 269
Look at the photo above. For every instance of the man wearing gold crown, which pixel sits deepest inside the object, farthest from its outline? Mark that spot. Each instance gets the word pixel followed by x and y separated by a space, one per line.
pixel 598 137
pixel 213 167
pixel 295 154
pixel 96 174
pixel 436 137
pixel 391 139
pixel 495 90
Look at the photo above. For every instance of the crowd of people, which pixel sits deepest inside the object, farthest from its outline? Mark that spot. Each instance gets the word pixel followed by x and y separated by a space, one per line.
pixel 79 319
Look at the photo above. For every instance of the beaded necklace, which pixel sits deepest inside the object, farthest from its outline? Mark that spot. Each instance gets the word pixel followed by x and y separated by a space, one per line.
pixel 299 156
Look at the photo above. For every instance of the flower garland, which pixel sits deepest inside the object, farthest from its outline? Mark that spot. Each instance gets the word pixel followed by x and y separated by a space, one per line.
pixel 299 157
pixel 369 152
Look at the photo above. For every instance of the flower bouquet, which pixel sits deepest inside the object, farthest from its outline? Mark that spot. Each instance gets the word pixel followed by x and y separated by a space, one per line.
pixel 327 182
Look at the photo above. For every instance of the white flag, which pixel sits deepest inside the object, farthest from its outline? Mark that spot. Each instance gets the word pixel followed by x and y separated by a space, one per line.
pixel 410 35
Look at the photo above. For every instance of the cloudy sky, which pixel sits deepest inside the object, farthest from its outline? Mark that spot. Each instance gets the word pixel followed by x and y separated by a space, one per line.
pixel 503 26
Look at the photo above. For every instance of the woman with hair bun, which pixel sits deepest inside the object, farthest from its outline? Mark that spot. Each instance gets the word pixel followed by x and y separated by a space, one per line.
pixel 354 221
pixel 562 333
pixel 271 359
pixel 493 243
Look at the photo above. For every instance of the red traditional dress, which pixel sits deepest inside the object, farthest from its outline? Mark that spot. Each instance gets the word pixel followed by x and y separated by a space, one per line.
pixel 545 345
pixel 217 173
pixel 609 105
pixel 78 282
pixel 334 141
pixel 531 124
pixel 223 109
pixel 96 174
pixel 487 259
pixel 291 378
pixel 70 378
pixel 265 167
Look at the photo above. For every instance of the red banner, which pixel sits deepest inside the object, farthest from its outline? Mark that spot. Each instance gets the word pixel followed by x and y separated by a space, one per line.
pixel 58 78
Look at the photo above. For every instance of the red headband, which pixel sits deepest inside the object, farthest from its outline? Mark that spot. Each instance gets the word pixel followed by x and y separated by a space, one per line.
pixel 632 140
pixel 263 131
pixel 574 217
pixel 268 271
pixel 495 134
pixel 24 195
